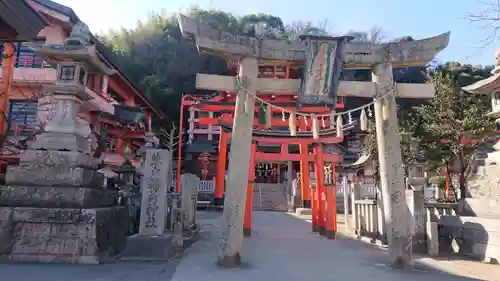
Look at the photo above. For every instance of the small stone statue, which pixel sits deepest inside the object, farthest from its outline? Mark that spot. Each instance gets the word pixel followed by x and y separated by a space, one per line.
pixel 79 36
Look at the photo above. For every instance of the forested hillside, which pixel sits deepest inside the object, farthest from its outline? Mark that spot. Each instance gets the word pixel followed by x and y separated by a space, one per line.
pixel 156 57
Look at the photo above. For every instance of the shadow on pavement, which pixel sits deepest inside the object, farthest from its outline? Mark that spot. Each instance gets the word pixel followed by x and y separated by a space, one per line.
pixel 424 267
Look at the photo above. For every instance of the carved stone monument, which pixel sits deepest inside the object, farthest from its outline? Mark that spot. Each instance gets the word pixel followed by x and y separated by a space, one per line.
pixel 153 242
pixel 154 184
pixel 54 208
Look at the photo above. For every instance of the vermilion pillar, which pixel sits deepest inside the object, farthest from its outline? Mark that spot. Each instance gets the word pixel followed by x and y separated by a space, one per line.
pixel 9 58
pixel 331 203
pixel 304 170
pixel 304 177
pixel 221 168
pixel 314 210
pixel 319 172
pixel 247 223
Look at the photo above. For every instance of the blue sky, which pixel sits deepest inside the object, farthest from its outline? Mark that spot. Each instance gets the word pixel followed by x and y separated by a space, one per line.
pixel 421 18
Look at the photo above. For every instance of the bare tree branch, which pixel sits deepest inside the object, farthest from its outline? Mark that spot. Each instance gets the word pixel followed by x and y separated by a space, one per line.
pixel 488 18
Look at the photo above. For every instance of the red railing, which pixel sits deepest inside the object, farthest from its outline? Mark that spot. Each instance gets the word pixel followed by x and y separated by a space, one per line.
pixel 31 62
pixel 104 95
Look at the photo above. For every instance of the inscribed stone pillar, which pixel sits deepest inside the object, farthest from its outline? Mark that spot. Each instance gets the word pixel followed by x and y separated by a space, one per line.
pixel 231 243
pixel 154 184
pixel 189 183
pixel 391 168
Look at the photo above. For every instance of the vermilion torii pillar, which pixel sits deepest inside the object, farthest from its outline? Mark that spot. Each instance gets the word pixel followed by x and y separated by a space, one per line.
pixel 221 167
pixel 304 173
pixel 247 223
pixel 319 172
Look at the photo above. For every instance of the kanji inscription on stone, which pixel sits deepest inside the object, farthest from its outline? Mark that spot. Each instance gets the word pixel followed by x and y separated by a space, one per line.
pixel 154 183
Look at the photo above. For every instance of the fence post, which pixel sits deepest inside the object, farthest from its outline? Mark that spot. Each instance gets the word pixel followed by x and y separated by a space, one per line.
pixel 355 213
pixel 346 201
pixel 380 214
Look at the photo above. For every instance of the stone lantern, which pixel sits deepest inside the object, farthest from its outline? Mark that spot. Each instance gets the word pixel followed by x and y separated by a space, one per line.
pixel 490 86
pixel 57 110
pixel 63 214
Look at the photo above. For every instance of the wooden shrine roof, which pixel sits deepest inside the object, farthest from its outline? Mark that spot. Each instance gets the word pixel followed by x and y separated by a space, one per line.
pixel 18 21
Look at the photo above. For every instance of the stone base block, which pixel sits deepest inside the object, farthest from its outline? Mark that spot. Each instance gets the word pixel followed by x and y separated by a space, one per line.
pixel 229 261
pixel 315 228
pixel 322 230
pixel 62 235
pixel 41 175
pixel 60 141
pixel 148 248
pixel 219 202
pixel 419 243
pixel 306 204
pixel 69 159
pixel 330 234
pixel 303 211
pixel 56 197
pixel 477 237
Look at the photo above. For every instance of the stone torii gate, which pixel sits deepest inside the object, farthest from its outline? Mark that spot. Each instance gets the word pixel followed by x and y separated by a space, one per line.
pixel 252 52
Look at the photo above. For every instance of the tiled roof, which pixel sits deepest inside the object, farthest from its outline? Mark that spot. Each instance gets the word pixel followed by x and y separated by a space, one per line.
pixel 103 50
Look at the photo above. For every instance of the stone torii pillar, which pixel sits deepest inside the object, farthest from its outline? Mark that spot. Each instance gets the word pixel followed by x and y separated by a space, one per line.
pixel 231 242
pixel 396 213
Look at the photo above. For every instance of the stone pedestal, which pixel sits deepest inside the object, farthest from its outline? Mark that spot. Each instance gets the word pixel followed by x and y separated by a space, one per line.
pixel 54 209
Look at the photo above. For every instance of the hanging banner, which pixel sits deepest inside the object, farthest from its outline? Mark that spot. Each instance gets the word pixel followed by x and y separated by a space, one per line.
pixel 322 69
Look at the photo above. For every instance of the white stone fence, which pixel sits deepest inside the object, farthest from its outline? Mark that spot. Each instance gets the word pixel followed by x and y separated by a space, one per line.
pixel 206 186
pixel 434 211
pixel 367 219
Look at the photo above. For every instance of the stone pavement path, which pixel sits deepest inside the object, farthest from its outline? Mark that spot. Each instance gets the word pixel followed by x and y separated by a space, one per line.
pixel 282 248
pixel 121 271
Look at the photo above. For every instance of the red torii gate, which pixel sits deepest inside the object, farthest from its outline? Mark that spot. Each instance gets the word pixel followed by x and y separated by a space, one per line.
pixel 323 200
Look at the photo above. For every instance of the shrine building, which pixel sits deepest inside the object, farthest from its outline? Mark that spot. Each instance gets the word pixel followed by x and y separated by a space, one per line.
pixel 23 74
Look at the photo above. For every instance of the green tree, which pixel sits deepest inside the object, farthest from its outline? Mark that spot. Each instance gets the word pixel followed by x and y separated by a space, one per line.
pixel 442 123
